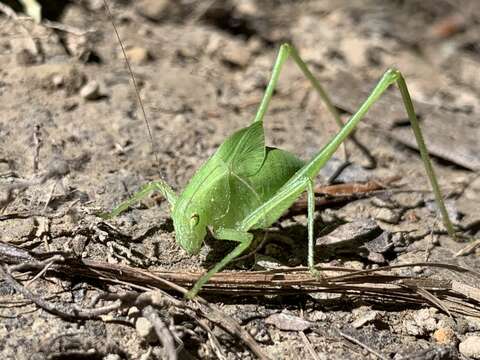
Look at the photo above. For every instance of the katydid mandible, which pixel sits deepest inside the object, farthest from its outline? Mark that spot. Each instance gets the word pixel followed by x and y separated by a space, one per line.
pixel 246 185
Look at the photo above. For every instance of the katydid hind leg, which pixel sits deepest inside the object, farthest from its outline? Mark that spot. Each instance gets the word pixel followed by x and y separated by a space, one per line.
pixel 267 96
pixel 391 76
pixel 422 147
pixel 284 197
pixel 322 93
pixel 244 239
pixel 285 51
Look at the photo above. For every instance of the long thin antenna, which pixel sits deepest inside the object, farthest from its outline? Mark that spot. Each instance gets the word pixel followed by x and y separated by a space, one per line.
pixel 134 80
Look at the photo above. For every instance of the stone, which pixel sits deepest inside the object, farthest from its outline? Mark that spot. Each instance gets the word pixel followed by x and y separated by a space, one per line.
pixel 155 10
pixel 90 91
pixel 365 318
pixel 138 55
pixel 145 329
pixel 288 322
pixel 444 336
pixel 470 347
pixel 112 357
pixel 236 53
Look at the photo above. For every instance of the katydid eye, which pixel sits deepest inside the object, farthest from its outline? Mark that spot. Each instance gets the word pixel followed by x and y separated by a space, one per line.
pixel 194 219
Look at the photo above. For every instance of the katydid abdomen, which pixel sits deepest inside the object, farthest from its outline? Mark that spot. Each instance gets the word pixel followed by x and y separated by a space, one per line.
pixel 249 193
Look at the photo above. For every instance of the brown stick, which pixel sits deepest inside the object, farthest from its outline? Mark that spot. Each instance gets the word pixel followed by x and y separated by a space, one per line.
pixel 339 194
pixel 372 283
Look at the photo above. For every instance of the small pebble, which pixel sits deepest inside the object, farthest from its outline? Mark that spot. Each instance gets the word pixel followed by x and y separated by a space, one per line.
pixel 255 44
pixel 354 264
pixel 90 91
pixel 366 318
pixel 248 8
pixel 444 336
pixel 236 53
pixel 138 55
pixel 376 258
pixel 155 10
pixel 133 311
pixel 95 5
pixel 470 323
pixel 470 347
pixel 267 262
pixel 421 323
pixel 58 80
pixel 426 318
pixel 417 269
pixel 387 215
pixel 145 329
pixel 288 322
pixel 412 328
pixel 262 336
pixel 112 357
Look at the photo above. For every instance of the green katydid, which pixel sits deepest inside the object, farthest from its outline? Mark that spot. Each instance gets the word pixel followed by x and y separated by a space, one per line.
pixel 246 185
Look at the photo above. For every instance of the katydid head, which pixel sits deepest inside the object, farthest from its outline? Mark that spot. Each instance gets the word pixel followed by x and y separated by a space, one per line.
pixel 199 204
pixel 190 230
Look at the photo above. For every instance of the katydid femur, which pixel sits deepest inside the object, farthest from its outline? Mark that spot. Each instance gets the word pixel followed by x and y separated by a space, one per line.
pixel 246 185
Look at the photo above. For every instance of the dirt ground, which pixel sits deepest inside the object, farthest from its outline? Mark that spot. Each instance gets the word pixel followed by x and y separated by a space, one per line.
pixel 73 142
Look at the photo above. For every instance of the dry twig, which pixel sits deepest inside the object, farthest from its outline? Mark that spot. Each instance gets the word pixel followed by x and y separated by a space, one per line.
pixel 198 308
pixel 163 333
pixel 365 346
pixel 456 297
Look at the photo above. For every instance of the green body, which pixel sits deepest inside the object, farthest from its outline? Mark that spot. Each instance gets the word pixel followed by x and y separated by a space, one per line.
pixel 246 185
pixel 219 196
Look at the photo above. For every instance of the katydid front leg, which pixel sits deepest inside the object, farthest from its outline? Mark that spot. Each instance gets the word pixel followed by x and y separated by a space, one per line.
pixel 160 186
pixel 244 239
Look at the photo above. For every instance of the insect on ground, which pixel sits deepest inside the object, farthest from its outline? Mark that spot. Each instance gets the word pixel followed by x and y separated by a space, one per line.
pixel 246 185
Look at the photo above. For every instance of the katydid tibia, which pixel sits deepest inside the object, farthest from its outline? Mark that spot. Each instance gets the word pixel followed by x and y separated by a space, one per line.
pixel 246 185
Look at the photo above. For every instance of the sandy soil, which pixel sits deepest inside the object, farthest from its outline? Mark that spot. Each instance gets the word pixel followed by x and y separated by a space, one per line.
pixel 73 142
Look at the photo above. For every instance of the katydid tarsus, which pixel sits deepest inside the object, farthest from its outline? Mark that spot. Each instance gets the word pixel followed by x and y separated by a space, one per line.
pixel 246 185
